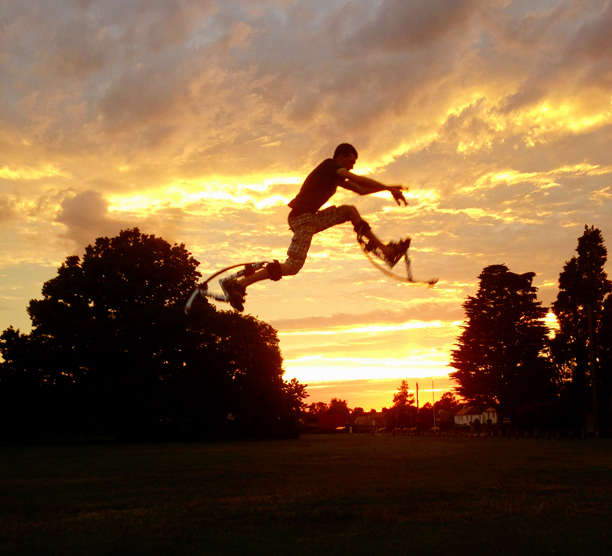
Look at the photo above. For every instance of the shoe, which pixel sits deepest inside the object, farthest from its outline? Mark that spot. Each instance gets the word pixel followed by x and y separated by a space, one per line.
pixel 234 292
pixel 395 251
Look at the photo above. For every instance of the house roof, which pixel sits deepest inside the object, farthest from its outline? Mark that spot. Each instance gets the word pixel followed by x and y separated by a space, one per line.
pixel 474 410
pixel 469 410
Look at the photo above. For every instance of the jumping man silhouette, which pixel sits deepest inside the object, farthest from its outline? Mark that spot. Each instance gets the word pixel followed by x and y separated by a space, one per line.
pixel 306 219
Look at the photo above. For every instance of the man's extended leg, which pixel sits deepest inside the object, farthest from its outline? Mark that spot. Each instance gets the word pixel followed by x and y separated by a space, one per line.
pixel 264 274
pixel 303 227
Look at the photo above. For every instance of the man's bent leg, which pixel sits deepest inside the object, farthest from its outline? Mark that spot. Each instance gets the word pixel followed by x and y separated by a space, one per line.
pixel 391 252
pixel 264 274
pixel 362 228
pixel 303 229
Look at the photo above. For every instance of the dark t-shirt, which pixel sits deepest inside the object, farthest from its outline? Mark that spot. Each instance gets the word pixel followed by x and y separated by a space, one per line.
pixel 317 188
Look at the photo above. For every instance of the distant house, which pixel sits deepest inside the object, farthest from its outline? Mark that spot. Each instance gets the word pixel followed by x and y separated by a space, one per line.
pixel 469 414
pixel 373 420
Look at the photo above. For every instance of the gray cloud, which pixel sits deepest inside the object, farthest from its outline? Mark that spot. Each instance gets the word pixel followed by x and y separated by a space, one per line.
pixel 593 39
pixel 6 209
pixel 140 98
pixel 86 217
pixel 401 25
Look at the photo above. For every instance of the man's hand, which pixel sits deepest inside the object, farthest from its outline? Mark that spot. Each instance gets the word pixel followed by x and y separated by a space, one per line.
pixel 396 191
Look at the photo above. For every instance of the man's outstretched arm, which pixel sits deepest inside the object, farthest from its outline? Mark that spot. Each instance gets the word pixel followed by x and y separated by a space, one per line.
pixel 365 186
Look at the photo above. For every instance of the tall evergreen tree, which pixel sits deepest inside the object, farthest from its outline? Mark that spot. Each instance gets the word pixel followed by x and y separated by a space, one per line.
pixel 578 344
pixel 500 358
pixel 403 412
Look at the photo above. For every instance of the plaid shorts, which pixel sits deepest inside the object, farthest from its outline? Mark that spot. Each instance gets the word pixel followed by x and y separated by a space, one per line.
pixel 307 225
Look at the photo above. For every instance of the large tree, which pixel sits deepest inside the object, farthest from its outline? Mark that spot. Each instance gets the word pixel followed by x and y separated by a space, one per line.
pixel 111 347
pixel 582 338
pixel 500 358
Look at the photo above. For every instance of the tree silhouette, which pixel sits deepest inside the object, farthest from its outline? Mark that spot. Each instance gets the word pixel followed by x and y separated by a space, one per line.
pixel 338 406
pixel 447 402
pixel 500 356
pixel 317 408
pixel 403 409
pixel 578 345
pixel 110 345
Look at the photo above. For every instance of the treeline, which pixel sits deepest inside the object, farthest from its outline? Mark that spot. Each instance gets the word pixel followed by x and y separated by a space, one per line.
pixel 508 358
pixel 403 413
pixel 112 353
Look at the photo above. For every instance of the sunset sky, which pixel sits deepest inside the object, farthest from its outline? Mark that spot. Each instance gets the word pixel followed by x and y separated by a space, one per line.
pixel 197 121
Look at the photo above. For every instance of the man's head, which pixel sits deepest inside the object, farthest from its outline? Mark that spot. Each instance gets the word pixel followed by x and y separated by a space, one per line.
pixel 346 155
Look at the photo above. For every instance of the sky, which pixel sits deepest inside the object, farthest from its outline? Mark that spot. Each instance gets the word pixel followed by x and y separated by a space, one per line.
pixel 198 120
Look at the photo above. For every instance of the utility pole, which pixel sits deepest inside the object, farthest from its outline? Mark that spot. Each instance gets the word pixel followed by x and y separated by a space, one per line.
pixel 433 398
pixel 417 415
pixel 593 365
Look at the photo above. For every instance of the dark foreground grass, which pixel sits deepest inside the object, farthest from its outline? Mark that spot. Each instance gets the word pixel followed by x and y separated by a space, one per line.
pixel 320 495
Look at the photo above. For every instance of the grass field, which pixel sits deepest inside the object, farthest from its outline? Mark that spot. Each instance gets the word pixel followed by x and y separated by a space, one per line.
pixel 320 495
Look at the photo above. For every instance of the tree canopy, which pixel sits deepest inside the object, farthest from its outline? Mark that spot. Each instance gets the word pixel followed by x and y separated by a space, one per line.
pixel 447 402
pixel 111 349
pixel 500 358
